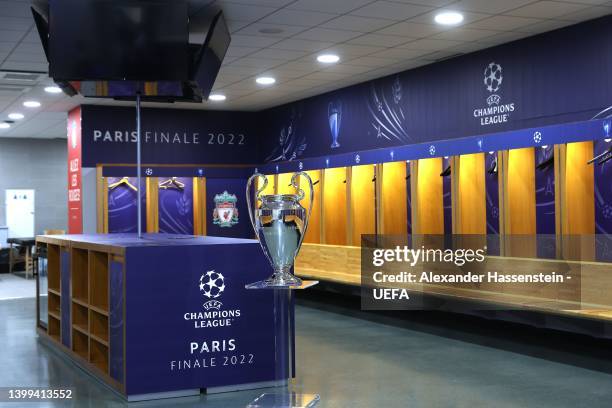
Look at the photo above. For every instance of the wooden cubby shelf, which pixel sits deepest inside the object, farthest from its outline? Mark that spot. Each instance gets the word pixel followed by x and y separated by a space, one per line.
pixel 53 267
pixel 98 354
pixel 53 327
pixel 80 318
pixel 79 275
pixel 80 344
pixel 54 305
pixel 99 325
pixel 98 280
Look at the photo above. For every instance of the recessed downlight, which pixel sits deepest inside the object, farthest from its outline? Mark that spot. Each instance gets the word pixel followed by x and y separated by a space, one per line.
pixel 31 104
pixel 53 89
pixel 4 125
pixel 217 97
pixel 328 58
pixel 265 80
pixel 15 116
pixel 448 18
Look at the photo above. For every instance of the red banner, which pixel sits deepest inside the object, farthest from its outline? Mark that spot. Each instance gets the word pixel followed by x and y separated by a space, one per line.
pixel 75 204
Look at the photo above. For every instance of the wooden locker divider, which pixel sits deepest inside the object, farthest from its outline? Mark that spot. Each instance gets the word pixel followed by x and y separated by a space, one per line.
pixel 427 208
pixel 393 198
pixel 152 204
pixel 335 211
pixel 469 194
pixel 313 234
pixel 576 190
pixel 199 205
pixel 362 202
pixel 102 201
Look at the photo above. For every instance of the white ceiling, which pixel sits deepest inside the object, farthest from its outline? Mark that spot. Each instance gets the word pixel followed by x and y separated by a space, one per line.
pixel 373 38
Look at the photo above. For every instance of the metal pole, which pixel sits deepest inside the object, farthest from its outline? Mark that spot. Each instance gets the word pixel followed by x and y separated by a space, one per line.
pixel 138 158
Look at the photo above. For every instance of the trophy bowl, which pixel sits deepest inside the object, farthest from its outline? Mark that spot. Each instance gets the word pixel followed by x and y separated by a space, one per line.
pixel 280 223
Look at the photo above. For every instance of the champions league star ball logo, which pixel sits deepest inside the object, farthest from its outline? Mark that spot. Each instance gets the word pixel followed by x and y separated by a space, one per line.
pixel 212 285
pixel 225 214
pixel 493 77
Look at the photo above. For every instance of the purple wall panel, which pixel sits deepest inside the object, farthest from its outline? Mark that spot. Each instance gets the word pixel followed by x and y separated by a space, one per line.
pixel 176 208
pixel 122 207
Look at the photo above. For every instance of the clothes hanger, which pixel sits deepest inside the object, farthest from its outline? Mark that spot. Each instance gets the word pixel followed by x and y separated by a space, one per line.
pixel 446 172
pixel 493 168
pixel 172 182
pixel 605 156
pixel 546 163
pixel 124 181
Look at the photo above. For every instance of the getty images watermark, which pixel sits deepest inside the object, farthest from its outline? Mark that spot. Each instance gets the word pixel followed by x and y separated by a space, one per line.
pixel 426 272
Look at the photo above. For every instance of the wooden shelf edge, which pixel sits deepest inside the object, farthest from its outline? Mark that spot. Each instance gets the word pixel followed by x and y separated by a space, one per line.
pixel 80 302
pixel 98 310
pixel 80 328
pixel 99 339
pixel 54 315
pixel 54 291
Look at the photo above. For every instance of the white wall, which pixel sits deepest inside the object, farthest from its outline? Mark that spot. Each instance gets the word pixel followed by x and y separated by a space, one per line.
pixel 38 164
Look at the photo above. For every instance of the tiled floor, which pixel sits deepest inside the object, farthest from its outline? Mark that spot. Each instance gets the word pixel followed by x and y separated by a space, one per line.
pixel 358 362
pixel 14 286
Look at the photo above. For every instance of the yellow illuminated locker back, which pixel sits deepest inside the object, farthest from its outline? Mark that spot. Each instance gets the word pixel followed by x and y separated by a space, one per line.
pixel 363 202
pixel 471 194
pixel 429 211
pixel 270 188
pixel 520 192
pixel 335 206
pixel 283 184
pixel 393 205
pixel 313 235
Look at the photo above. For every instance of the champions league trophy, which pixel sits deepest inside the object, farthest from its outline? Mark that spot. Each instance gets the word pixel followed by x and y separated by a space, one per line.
pixel 334 116
pixel 280 224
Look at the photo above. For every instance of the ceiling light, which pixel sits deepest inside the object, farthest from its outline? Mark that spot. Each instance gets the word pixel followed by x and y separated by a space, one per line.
pixel 31 104
pixel 491 153
pixel 53 89
pixel 328 58
pixel 15 116
pixel 545 147
pixel 607 140
pixel 4 125
pixel 217 97
pixel 265 80
pixel 448 18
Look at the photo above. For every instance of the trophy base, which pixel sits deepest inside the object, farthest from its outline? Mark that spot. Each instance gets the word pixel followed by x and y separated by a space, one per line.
pixel 285 400
pixel 267 284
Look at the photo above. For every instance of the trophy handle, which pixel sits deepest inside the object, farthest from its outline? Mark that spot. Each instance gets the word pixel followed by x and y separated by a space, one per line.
pixel 257 198
pixel 300 197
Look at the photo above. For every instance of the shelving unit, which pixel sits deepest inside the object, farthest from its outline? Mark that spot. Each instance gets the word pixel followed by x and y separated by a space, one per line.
pixel 89 301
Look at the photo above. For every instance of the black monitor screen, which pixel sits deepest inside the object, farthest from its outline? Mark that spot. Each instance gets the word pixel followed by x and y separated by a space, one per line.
pixel 118 39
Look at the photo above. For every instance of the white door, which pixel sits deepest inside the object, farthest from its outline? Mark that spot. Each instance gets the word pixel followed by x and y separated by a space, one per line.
pixel 19 205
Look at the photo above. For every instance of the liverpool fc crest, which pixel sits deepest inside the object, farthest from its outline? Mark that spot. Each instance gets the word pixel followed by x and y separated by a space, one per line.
pixel 225 213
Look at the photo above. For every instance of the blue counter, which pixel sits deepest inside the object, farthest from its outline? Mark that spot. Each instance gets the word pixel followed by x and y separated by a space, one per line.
pixel 165 315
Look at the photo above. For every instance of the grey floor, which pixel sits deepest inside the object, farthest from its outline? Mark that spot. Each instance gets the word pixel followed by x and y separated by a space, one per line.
pixel 351 362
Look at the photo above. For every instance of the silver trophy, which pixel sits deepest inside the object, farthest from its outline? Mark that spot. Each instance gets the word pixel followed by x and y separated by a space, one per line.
pixel 280 224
